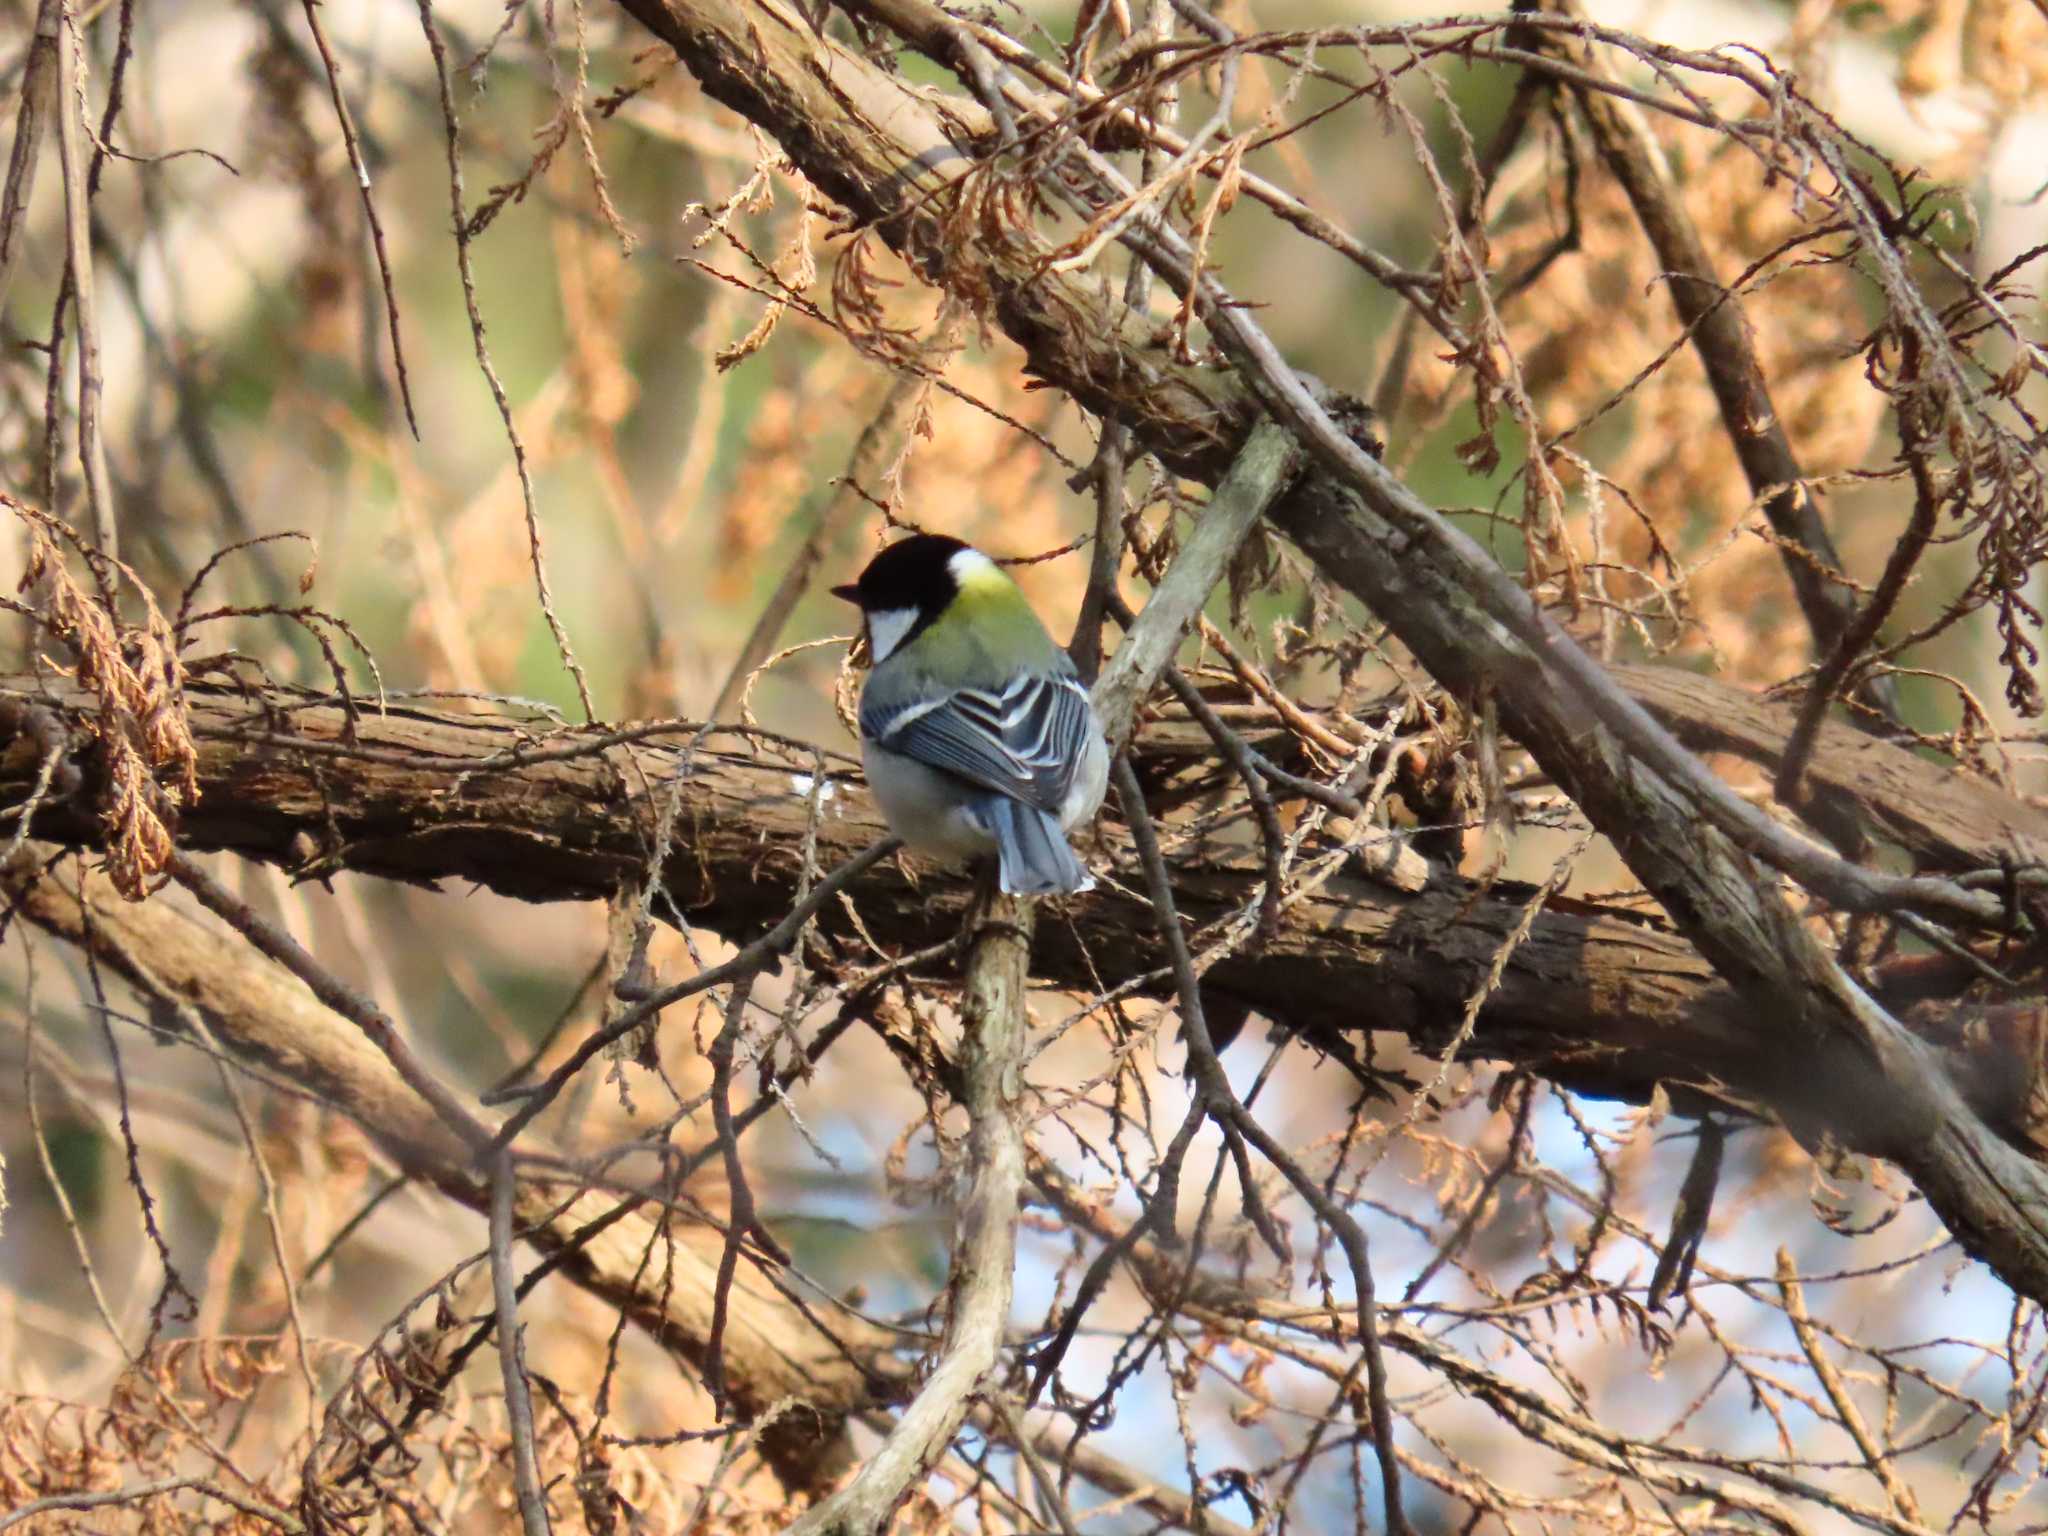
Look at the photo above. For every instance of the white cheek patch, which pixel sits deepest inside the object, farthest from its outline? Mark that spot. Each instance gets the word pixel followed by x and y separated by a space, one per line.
pixel 887 628
pixel 966 564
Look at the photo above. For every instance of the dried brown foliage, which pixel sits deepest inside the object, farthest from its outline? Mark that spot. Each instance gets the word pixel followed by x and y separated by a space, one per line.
pixel 135 670
pixel 888 270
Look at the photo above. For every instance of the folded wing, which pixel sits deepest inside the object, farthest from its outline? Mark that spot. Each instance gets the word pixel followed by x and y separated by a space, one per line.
pixel 1023 740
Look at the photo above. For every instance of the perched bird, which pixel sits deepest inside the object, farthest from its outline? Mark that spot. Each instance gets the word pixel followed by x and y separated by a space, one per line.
pixel 976 732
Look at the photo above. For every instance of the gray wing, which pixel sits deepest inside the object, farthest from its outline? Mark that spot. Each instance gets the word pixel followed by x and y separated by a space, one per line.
pixel 1023 740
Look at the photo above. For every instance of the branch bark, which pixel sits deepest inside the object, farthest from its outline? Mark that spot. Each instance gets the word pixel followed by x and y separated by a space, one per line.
pixel 883 148
pixel 995 1042
pixel 1950 821
pixel 815 1364
pixel 1601 1000
pixel 1260 473
pixel 31 122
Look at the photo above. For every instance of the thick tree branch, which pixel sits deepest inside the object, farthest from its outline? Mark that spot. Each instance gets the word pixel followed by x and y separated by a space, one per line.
pixel 1947 820
pixel 816 1364
pixel 1601 1000
pixel 884 149
pixel 1841 1062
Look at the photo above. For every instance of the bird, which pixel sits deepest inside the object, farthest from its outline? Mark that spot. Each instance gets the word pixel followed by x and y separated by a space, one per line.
pixel 976 732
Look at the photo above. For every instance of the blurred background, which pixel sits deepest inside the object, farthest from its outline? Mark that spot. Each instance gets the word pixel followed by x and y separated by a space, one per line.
pixel 655 286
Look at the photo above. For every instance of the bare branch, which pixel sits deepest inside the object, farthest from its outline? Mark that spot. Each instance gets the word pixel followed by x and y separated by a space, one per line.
pixel 376 1025
pixel 142 1493
pixel 31 122
pixel 1256 477
pixel 1714 318
pixel 997 1032
pixel 773 1348
pixel 1599 1000
pixel 1467 620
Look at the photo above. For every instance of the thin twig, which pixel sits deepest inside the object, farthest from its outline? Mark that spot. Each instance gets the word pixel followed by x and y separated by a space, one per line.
pixel 335 993
pixel 1856 635
pixel 753 958
pixel 528 500
pixel 71 136
pixel 1874 1455
pixel 68 1212
pixel 31 120
pixel 743 1218
pixel 361 167
pixel 24 814
pixel 136 1493
pixel 1048 1491
pixel 1690 1214
pixel 266 1180
pixel 533 1508
pixel 1257 476
pixel 1155 1220
pixel 1224 1104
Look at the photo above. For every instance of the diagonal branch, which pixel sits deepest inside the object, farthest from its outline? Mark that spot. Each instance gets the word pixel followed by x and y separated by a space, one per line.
pixel 831 1363
pixel 1720 334
pixel 71 158
pixel 31 122
pixel 1256 479
pixel 814 1365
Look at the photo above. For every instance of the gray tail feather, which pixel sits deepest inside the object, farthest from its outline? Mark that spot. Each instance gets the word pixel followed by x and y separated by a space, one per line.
pixel 1031 850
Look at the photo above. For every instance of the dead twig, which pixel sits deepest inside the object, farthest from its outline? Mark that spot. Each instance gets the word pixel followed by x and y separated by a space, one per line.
pixel 142 1493
pixel 31 122
pixel 1875 1456
pixel 1856 636
pixel 280 946
pixel 346 119
pixel 528 498
pixel 533 1508
pixel 72 133
pixel 1222 1104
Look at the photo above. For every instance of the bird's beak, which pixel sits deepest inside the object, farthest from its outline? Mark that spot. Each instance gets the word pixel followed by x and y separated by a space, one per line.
pixel 850 592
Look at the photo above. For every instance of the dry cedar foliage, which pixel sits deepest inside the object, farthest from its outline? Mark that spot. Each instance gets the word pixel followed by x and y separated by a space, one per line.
pixel 149 764
pixel 1581 335
pixel 1596 330
pixel 454 1459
